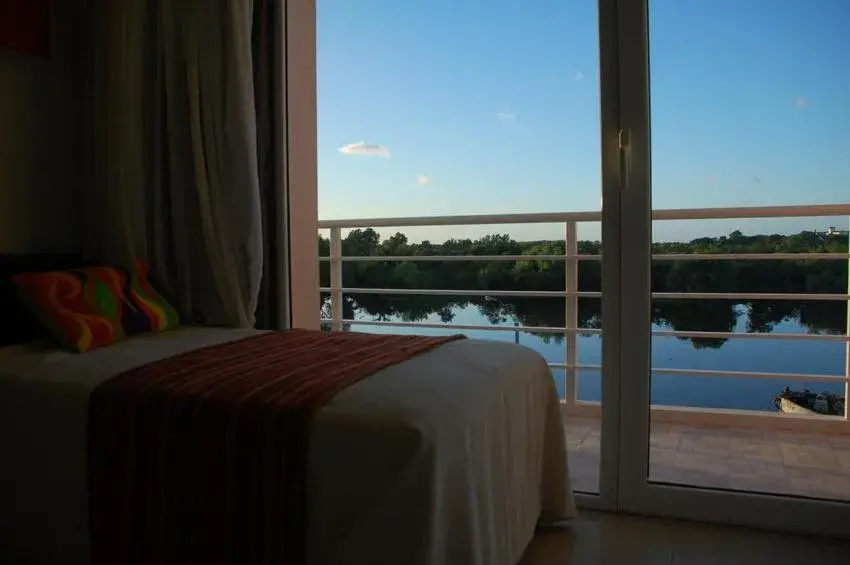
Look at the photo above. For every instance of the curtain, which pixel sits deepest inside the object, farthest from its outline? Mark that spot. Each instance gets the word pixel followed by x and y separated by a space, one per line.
pixel 268 53
pixel 181 162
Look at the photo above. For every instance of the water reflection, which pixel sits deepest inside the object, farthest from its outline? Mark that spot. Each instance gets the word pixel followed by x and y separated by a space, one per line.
pixel 762 316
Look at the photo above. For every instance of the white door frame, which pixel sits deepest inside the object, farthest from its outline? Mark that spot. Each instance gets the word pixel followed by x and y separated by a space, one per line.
pixel 635 493
pixel 611 273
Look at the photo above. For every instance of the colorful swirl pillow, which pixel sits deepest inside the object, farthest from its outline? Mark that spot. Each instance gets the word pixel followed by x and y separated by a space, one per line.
pixel 93 307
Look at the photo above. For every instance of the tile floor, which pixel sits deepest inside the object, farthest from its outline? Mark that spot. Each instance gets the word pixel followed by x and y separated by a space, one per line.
pixel 741 459
pixel 597 538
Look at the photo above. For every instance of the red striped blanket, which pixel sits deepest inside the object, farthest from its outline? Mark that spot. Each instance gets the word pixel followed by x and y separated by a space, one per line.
pixel 201 458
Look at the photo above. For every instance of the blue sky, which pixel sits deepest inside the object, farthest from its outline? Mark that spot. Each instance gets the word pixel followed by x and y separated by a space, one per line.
pixel 492 106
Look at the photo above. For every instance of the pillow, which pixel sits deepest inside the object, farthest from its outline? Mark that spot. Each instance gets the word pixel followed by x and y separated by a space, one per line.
pixel 17 325
pixel 93 307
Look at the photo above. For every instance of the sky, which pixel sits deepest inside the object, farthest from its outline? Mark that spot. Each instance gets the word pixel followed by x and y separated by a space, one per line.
pixel 444 107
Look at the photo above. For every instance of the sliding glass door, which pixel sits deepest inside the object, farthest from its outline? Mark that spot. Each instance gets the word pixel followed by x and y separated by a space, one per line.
pixel 459 177
pixel 460 169
pixel 732 231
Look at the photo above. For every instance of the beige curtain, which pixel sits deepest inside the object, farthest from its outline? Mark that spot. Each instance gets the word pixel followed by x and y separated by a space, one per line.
pixel 172 167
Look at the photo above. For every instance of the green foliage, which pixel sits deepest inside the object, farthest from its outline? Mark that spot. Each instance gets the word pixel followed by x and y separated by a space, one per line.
pixel 772 276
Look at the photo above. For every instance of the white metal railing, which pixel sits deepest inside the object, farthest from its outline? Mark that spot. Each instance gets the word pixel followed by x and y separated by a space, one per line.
pixel 571 294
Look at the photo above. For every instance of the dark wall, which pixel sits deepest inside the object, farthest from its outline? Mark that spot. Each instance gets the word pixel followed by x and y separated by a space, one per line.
pixel 39 149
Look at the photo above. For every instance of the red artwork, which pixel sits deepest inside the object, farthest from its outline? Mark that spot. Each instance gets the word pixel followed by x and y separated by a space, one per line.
pixel 25 26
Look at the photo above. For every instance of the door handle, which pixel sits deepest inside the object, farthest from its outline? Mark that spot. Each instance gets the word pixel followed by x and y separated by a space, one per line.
pixel 624 146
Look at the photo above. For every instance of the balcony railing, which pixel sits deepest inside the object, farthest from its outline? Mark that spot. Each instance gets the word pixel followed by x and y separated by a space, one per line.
pixel 572 258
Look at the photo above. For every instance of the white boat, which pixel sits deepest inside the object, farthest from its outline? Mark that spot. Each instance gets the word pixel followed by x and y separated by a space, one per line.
pixel 808 402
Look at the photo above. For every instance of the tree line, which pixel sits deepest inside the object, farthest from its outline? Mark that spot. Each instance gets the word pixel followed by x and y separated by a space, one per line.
pixel 744 276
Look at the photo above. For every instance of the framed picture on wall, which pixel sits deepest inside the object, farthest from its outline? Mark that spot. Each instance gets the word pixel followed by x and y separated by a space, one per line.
pixel 25 26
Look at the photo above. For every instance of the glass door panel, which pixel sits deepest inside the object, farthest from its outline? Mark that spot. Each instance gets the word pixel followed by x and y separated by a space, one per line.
pixel 735 334
pixel 457 110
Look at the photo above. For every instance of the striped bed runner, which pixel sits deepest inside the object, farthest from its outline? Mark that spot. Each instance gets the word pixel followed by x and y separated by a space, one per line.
pixel 201 458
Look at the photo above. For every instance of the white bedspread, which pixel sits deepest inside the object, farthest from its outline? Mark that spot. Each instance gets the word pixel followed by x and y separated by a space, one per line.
pixel 448 458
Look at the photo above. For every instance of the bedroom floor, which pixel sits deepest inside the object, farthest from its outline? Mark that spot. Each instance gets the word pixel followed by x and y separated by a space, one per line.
pixel 600 538
pixel 727 458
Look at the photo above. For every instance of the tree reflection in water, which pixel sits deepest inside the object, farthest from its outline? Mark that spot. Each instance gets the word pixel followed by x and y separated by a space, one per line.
pixel 762 316
pixel 705 275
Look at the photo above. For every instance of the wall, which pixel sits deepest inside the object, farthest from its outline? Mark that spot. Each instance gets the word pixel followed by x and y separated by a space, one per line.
pixel 301 169
pixel 39 173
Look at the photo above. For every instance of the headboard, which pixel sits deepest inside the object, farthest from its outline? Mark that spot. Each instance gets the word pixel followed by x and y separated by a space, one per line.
pixel 16 325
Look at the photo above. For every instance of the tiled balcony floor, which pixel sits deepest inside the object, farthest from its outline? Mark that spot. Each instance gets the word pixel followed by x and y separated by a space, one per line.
pixel 729 458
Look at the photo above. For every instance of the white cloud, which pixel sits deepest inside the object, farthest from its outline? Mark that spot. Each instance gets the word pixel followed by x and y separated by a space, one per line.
pixel 368 149
pixel 423 179
pixel 505 116
pixel 579 77
pixel 801 102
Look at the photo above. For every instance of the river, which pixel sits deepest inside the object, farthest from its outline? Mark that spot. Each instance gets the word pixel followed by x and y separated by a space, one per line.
pixel 751 355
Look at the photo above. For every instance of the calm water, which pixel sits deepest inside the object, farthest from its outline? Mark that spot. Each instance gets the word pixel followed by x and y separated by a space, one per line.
pixel 757 355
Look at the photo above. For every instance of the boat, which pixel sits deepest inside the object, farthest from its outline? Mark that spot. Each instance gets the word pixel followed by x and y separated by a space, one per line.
pixel 808 402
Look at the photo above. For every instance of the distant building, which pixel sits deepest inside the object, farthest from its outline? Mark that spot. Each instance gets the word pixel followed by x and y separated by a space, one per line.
pixel 832 230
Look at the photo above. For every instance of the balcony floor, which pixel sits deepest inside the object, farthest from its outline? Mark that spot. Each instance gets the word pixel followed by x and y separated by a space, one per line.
pixel 757 460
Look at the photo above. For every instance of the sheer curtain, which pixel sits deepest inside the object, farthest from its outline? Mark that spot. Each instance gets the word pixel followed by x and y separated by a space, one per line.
pixel 179 161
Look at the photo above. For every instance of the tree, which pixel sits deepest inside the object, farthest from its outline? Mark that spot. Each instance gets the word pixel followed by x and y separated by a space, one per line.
pixel 784 276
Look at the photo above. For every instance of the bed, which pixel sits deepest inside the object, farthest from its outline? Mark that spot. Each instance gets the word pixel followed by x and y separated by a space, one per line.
pixel 452 456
